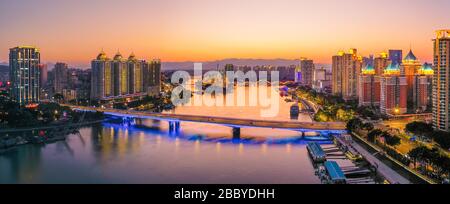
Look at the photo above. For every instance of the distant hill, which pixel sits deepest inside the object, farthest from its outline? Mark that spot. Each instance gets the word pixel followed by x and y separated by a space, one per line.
pixel 238 62
pixel 4 72
pixel 4 68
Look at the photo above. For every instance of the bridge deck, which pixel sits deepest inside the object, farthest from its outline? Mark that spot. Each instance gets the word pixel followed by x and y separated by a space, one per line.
pixel 221 120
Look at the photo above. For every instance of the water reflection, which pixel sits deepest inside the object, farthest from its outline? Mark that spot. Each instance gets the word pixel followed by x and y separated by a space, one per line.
pixel 245 110
pixel 13 168
pixel 146 153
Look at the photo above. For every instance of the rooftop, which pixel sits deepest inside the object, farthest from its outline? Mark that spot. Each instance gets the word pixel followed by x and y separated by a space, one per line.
pixel 426 69
pixel 411 56
pixel 368 70
pixel 392 69
pixel 334 171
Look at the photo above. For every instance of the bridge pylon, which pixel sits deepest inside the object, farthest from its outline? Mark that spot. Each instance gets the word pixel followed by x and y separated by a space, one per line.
pixel 174 127
pixel 236 133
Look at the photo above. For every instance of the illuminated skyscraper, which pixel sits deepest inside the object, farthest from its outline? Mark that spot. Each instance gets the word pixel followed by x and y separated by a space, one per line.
pixel 307 72
pixel 101 77
pixel 61 78
pixel 122 78
pixel 441 81
pixel 396 56
pixel 24 64
pixel 120 71
pixel 422 88
pixel 409 69
pixel 381 62
pixel 43 75
pixel 154 77
pixel 369 87
pixel 393 91
pixel 346 70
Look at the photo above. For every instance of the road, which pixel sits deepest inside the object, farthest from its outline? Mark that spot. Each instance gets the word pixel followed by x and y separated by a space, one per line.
pixel 314 126
pixel 387 172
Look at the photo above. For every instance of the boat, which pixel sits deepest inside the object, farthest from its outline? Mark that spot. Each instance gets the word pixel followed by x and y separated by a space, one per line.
pixel 335 173
pixel 316 152
pixel 295 111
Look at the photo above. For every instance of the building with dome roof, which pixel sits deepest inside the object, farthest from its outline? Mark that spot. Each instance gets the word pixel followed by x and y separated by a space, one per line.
pixel 381 62
pixel 369 87
pixel 409 69
pixel 124 77
pixel 393 91
pixel 422 88
pixel 120 71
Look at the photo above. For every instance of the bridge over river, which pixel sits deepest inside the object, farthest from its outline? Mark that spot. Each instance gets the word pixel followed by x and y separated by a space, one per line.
pixel 237 123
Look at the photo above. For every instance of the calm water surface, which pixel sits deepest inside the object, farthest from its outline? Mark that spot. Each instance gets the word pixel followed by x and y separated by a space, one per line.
pixel 148 153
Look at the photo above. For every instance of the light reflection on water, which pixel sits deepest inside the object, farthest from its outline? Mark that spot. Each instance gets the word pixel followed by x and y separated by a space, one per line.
pixel 113 154
pixel 147 153
pixel 247 111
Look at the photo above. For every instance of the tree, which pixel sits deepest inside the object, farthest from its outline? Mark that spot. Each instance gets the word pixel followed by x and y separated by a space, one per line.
pixel 344 115
pixel 354 124
pixel 21 118
pixel 374 134
pixel 443 164
pixel 420 129
pixel 391 140
pixel 368 126
pixel 58 97
pixel 442 138
pixel 321 116
pixel 417 154
pixel 7 105
pixel 51 111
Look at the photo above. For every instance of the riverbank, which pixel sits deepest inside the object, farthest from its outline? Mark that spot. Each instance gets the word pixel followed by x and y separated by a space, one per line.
pixel 45 135
pixel 393 164
pixel 348 165
pixel 11 130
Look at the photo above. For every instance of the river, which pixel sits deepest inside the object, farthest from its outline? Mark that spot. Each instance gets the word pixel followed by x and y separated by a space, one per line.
pixel 146 152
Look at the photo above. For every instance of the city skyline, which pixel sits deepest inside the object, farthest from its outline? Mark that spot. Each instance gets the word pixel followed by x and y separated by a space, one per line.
pixel 74 31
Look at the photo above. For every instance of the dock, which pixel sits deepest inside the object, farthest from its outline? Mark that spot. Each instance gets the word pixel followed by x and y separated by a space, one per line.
pixel 387 172
pixel 316 152
pixel 335 173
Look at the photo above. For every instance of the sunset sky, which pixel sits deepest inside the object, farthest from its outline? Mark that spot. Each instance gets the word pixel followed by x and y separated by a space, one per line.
pixel 74 31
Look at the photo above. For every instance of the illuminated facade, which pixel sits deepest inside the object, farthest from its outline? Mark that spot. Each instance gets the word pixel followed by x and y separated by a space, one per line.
pixel 346 70
pixel 60 77
pixel 120 75
pixel 422 88
pixel 441 81
pixel 393 91
pixel 381 62
pixel 409 69
pixel 24 74
pixel 395 56
pixel 307 72
pixel 369 87
pixel 123 78
pixel 153 82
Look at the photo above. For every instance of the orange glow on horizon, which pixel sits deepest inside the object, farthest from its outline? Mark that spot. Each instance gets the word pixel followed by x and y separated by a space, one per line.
pixel 74 31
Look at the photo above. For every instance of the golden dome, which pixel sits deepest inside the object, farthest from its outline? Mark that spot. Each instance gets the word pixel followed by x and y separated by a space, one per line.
pixel 102 56
pixel 132 56
pixel 118 56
